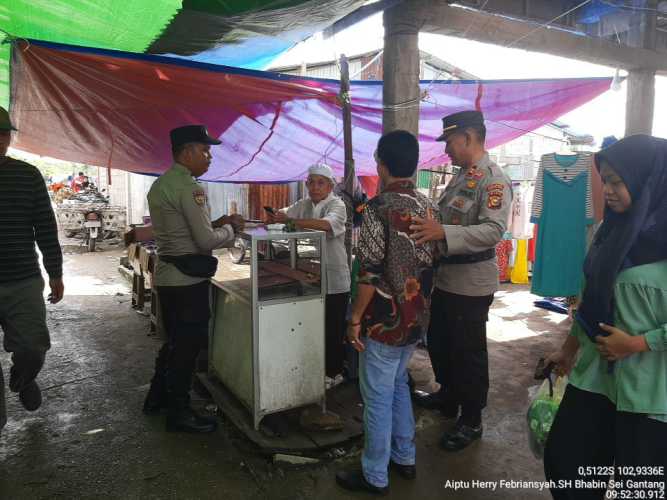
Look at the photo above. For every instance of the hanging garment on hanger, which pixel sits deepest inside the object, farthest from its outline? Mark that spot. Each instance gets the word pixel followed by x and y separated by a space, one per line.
pixel 563 208
pixel 513 254
pixel 532 244
pixel 503 251
pixel 520 270
pixel 522 227
pixel 597 193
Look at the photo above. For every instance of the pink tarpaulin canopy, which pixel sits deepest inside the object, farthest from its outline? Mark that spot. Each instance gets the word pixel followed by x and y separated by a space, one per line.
pixel 115 109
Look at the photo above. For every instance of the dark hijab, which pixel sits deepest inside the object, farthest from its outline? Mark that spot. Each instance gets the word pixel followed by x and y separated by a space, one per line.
pixel 633 238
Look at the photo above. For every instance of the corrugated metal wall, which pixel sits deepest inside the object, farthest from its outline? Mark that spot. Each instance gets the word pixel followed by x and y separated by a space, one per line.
pixel 223 198
pixel 331 71
pixel 138 189
pixel 117 191
pixel 267 195
pixel 130 190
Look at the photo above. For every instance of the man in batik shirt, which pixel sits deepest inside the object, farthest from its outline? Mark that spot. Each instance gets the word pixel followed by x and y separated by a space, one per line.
pixel 390 314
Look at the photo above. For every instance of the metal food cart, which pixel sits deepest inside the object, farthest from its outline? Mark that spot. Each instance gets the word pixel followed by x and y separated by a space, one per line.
pixel 266 343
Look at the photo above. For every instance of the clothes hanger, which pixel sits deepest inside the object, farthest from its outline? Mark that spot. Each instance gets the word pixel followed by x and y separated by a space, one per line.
pixel 566 149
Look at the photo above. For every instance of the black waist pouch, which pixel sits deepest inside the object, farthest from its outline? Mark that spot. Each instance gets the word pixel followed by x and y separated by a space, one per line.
pixel 198 266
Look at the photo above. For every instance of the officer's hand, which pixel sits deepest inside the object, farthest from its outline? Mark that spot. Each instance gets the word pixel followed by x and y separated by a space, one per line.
pixel 57 290
pixel 225 219
pixel 237 222
pixel 426 229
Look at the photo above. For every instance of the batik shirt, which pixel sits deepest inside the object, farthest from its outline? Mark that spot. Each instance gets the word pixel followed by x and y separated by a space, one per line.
pixel 400 270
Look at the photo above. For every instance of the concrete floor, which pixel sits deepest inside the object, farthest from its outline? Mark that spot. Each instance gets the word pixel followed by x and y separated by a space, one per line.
pixel 90 439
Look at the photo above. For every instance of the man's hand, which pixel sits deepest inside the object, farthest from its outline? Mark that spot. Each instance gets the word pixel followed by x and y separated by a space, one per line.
pixel 428 229
pixel 280 218
pixel 57 290
pixel 353 331
pixel 618 344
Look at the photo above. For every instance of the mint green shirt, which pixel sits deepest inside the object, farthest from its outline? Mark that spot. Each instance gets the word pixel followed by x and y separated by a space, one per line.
pixel 638 383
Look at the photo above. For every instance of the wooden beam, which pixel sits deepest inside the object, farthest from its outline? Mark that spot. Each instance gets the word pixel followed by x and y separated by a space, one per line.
pixel 442 19
pixel 357 16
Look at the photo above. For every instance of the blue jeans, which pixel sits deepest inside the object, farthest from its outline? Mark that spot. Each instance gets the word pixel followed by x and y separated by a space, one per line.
pixel 389 424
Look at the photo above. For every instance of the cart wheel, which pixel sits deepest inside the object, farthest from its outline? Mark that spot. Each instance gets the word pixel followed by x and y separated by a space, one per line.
pixel 91 244
pixel 238 251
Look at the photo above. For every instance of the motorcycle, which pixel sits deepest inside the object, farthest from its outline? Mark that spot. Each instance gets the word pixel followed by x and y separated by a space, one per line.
pixel 93 226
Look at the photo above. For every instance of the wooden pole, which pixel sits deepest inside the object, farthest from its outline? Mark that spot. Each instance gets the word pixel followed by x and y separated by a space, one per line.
pixel 640 103
pixel 350 177
pixel 401 94
pixel 400 91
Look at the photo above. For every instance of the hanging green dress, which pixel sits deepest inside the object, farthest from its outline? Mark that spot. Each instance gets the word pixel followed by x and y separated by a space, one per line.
pixel 562 208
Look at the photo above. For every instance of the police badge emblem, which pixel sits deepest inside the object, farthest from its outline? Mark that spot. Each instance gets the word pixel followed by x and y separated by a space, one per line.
pixel 200 197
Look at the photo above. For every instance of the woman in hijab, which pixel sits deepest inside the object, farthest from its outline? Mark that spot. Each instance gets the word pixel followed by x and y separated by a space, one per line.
pixel 613 417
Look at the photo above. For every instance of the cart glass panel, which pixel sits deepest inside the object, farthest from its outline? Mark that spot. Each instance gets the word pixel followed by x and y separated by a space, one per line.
pixel 288 268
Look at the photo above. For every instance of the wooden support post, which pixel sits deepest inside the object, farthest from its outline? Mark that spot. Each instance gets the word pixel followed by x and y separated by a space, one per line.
pixel 640 101
pixel 350 177
pixel 401 94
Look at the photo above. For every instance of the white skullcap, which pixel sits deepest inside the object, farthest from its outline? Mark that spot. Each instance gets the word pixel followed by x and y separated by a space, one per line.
pixel 323 170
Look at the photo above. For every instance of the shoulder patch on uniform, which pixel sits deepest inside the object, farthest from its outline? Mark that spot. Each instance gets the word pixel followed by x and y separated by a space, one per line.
pixel 495 201
pixel 200 196
pixel 495 187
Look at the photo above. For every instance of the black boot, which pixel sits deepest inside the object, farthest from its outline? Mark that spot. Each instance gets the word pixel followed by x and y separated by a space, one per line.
pixel 182 418
pixel 156 399
pixel 186 420
pixel 467 430
pixel 430 401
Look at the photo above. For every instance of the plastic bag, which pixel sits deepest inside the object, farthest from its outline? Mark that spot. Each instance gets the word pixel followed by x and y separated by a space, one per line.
pixel 542 412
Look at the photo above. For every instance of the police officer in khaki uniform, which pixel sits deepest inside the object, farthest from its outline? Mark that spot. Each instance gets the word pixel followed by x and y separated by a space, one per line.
pixel 475 209
pixel 185 237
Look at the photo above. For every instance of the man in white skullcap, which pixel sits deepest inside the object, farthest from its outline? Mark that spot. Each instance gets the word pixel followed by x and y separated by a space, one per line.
pixel 324 211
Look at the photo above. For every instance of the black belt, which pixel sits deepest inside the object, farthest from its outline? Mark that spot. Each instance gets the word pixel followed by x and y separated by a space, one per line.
pixel 469 258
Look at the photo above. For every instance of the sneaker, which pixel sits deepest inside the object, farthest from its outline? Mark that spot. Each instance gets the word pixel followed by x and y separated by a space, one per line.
pixel 30 396
pixel 330 383
pixel 405 471
pixel 354 480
